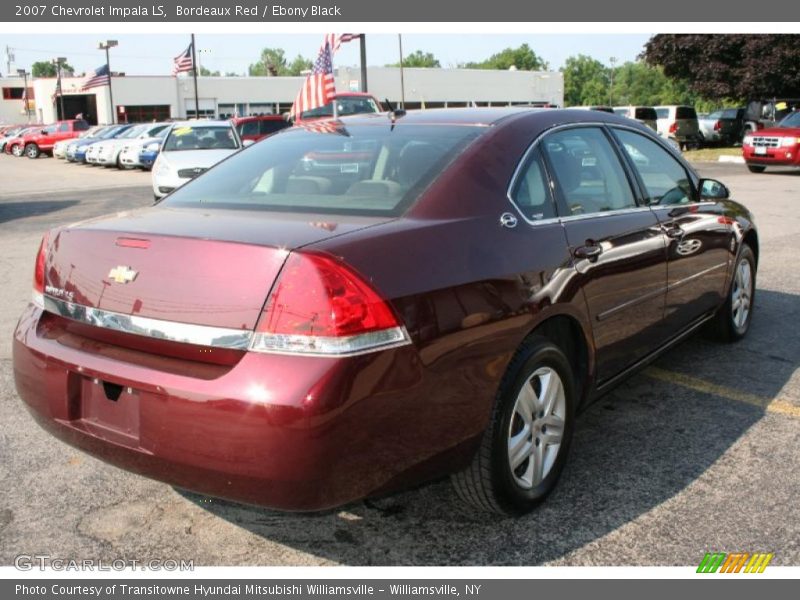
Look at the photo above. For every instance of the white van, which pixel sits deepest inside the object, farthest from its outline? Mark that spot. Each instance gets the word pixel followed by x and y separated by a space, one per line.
pixel 678 123
pixel 644 114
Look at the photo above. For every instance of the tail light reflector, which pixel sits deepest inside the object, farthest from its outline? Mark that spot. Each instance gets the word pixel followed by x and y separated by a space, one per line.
pixel 38 272
pixel 319 305
pixel 673 127
pixel 717 125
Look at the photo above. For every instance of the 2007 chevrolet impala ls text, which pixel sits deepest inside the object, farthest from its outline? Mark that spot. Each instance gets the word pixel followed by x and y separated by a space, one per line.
pixel 353 306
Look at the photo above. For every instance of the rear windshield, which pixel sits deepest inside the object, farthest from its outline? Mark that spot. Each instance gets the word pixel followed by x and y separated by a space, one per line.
pixel 205 137
pixel 685 112
pixel 331 168
pixel 663 113
pixel 645 113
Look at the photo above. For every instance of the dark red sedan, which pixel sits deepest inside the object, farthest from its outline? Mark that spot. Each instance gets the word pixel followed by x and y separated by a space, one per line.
pixel 441 295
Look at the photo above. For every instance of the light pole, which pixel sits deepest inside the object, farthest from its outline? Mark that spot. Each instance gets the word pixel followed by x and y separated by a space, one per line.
pixel 58 62
pixel 107 45
pixel 613 61
pixel 24 74
pixel 200 53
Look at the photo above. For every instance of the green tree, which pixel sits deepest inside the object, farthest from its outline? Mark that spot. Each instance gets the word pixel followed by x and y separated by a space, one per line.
pixel 206 73
pixel 298 65
pixel 586 81
pixel 636 83
pixel 418 58
pixel 44 68
pixel 271 64
pixel 522 58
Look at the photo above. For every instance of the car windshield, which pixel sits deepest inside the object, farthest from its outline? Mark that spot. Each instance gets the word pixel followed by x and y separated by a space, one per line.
pixel 331 168
pixel 791 120
pixel 346 105
pixel 112 132
pixel 201 137
pixel 133 132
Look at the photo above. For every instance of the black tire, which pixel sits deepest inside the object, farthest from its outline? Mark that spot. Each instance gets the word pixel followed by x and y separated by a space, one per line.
pixel 723 327
pixel 756 168
pixel 489 483
pixel 32 151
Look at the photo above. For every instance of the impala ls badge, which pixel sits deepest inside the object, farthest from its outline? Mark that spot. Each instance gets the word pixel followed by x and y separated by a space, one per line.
pixel 122 274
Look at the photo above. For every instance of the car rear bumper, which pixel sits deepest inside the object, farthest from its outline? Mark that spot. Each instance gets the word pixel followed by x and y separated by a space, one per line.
pixel 288 432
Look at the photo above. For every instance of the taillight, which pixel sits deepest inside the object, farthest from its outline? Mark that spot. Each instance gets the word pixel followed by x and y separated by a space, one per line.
pixel 319 305
pixel 38 272
pixel 717 126
pixel 673 127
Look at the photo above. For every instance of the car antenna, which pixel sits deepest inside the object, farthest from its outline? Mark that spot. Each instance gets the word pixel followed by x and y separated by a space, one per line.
pixel 394 112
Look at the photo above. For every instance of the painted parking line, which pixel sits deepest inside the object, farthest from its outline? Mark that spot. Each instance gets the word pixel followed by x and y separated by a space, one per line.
pixel 778 405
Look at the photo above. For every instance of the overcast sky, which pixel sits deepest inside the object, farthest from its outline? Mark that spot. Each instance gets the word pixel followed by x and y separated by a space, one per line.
pixel 152 54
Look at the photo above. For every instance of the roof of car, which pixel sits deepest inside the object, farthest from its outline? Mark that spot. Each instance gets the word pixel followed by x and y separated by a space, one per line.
pixel 202 123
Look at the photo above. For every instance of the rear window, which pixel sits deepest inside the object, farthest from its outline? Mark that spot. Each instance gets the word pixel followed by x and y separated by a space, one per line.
pixel 332 169
pixel 645 113
pixel 206 137
pixel 663 113
pixel 270 126
pixel 685 112
pixel 730 113
pixel 347 105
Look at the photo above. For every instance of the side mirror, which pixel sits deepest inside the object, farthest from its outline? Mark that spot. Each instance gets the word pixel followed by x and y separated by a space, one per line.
pixel 711 189
pixel 247 143
pixel 43 132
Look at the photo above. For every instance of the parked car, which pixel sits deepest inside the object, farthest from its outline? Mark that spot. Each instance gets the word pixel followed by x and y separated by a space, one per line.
pixel 777 146
pixel 42 141
pixel 767 113
pixel 60 148
pixel 134 150
pixel 679 123
pixel 724 126
pixel 149 154
pixel 275 341
pixel 606 109
pixel 108 151
pixel 189 149
pixel 258 127
pixel 15 144
pixel 347 103
pixel 11 133
pixel 644 114
pixel 77 151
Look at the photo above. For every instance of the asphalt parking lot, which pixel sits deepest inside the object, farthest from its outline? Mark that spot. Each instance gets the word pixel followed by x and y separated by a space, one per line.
pixel 698 453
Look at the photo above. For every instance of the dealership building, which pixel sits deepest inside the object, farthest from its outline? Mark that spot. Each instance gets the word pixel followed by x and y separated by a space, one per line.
pixel 147 98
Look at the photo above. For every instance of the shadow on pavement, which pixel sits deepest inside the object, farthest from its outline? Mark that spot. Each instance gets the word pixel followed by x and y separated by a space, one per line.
pixel 9 211
pixel 633 450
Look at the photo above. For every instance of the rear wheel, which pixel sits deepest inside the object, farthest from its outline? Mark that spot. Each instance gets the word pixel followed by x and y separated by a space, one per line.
pixel 732 321
pixel 756 168
pixel 32 151
pixel 526 443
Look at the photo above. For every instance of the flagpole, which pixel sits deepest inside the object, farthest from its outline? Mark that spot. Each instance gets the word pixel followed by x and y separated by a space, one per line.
pixel 402 81
pixel 363 40
pixel 106 46
pixel 194 71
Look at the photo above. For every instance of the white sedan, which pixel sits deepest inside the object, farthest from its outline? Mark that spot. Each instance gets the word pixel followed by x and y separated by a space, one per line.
pixel 108 151
pixel 190 148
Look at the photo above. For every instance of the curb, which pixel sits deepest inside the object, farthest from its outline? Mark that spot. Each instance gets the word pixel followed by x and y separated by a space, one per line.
pixel 731 159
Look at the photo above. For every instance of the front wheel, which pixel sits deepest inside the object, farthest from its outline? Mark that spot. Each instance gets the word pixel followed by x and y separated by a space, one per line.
pixel 17 150
pixel 525 446
pixel 756 168
pixel 732 321
pixel 32 151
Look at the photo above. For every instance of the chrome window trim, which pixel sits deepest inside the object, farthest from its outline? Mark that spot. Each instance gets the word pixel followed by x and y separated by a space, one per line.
pixel 187 333
pixel 523 161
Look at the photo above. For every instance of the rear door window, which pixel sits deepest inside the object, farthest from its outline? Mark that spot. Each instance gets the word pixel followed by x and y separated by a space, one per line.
pixel 685 112
pixel 589 175
pixel 531 192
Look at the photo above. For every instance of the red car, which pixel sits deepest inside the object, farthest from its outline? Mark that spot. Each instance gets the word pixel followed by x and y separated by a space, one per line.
pixel 258 127
pixel 41 141
pixel 347 103
pixel 15 145
pixel 446 307
pixel 777 146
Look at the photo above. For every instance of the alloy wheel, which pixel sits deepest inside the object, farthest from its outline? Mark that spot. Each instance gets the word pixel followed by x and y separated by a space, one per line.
pixel 537 427
pixel 742 294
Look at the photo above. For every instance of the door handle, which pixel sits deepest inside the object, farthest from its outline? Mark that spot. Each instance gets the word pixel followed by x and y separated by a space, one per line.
pixel 674 231
pixel 589 251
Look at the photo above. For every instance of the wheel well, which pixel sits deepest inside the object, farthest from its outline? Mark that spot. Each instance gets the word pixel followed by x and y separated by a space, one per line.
pixel 751 239
pixel 566 333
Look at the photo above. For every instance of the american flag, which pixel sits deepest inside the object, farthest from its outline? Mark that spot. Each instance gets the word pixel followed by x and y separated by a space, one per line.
pixel 183 62
pixel 99 78
pixel 319 87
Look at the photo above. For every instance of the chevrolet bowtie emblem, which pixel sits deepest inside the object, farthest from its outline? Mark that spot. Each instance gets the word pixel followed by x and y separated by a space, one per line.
pixel 122 274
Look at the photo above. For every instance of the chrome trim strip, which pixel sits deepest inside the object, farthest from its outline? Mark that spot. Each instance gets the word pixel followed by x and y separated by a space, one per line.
pixel 187 333
pixel 691 278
